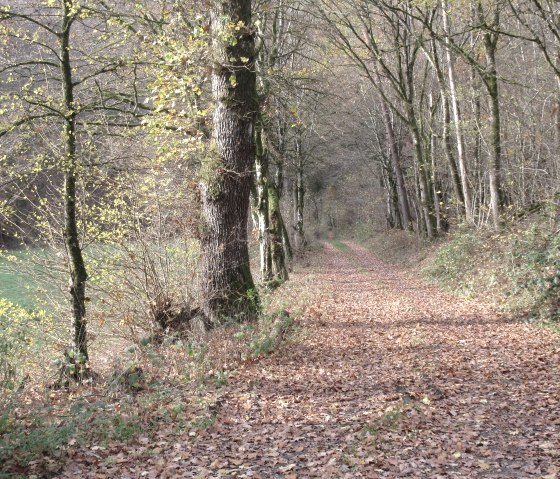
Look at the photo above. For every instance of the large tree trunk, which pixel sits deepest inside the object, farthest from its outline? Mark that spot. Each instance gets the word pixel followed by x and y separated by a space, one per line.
pixel 228 288
pixel 78 273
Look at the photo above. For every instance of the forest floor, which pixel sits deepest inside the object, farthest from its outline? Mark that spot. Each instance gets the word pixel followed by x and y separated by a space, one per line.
pixel 387 377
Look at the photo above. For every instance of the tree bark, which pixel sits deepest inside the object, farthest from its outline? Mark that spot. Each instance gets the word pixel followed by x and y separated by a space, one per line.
pixel 434 182
pixel 557 115
pixel 226 176
pixel 262 204
pixel 461 160
pixel 396 164
pixel 490 41
pixel 448 149
pixel 280 271
pixel 78 273
pixel 299 199
pixel 423 173
pixel 279 188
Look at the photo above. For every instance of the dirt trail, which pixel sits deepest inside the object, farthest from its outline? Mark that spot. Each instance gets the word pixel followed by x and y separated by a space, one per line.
pixel 392 378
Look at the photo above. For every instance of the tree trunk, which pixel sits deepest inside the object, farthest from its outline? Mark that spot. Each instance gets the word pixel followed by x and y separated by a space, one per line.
pixel 299 200
pixel 494 165
pixel 434 183
pixel 78 273
pixel 279 186
pixel 228 288
pixel 477 147
pixel 425 191
pixel 393 214
pixel 490 40
pixel 280 271
pixel 396 164
pixel 262 181
pixel 557 115
pixel 448 150
pixel 461 160
pixel 457 184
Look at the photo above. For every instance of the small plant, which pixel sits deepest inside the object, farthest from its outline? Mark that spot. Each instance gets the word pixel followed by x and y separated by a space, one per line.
pixel 20 445
pixel 270 331
pixel 221 377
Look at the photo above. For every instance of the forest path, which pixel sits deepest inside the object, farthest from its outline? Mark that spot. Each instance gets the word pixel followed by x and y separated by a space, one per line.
pixel 389 378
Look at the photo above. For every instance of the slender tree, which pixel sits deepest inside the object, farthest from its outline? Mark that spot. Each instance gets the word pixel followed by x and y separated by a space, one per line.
pixel 62 81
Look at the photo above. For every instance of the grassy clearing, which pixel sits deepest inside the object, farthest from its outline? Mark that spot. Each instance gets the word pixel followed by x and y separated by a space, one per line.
pixel 20 276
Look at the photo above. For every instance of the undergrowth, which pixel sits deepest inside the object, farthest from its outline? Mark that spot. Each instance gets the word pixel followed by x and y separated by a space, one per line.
pixel 517 269
pixel 175 385
pixel 340 245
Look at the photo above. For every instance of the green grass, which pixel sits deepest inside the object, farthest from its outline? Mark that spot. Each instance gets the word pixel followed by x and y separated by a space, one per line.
pixel 339 245
pixel 15 286
pixel 23 277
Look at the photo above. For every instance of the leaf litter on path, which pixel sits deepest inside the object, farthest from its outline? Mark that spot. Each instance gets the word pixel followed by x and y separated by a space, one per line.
pixel 391 378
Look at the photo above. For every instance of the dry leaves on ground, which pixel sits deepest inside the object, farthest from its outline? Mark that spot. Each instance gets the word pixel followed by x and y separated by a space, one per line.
pixel 391 378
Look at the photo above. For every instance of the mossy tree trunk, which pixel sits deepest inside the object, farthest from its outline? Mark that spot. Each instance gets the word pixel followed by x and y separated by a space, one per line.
pixel 78 273
pixel 228 287
pixel 279 189
pixel 490 78
pixel 278 256
pixel 274 35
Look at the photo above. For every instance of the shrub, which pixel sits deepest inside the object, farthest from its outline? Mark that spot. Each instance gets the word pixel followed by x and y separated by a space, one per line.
pixel 453 261
pixel 535 272
pixel 24 338
pixel 518 269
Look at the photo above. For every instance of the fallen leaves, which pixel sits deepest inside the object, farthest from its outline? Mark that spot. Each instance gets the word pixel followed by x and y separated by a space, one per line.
pixel 390 378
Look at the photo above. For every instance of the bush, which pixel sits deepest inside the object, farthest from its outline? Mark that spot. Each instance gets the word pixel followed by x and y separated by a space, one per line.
pixel 24 338
pixel 452 264
pixel 535 271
